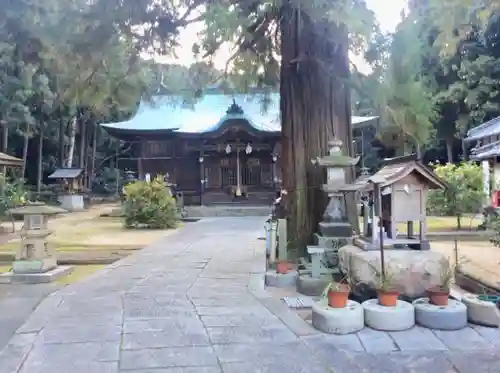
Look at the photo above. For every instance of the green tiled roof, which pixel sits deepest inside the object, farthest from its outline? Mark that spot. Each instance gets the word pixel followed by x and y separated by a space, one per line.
pixel 207 113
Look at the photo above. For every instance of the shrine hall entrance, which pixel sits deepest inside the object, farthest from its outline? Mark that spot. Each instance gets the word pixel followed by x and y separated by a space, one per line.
pixel 238 176
pixel 250 173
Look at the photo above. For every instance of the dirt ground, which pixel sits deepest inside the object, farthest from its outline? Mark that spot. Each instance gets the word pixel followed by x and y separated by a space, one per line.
pixel 479 259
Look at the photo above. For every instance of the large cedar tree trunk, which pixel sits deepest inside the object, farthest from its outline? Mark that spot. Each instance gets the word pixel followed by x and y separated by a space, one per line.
pixel 315 108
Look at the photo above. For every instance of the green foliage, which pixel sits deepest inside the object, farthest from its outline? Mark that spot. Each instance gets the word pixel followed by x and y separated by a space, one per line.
pixel 494 227
pixel 464 193
pixel 14 194
pixel 150 205
pixel 405 100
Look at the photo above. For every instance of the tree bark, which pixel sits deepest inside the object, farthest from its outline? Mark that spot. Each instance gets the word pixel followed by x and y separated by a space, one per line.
pixel 94 152
pixel 25 149
pixel 62 134
pixel 449 150
pixel 72 136
pixel 315 108
pixel 83 142
pixel 82 159
pixel 39 177
pixel 5 145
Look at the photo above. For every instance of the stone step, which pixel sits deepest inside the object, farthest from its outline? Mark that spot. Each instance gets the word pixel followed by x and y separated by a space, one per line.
pixel 226 211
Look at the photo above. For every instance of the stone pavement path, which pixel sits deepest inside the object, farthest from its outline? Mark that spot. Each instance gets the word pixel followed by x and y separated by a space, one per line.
pixel 184 306
pixel 17 302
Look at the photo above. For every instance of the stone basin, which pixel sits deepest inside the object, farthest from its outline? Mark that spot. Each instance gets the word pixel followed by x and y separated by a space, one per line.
pixel 414 271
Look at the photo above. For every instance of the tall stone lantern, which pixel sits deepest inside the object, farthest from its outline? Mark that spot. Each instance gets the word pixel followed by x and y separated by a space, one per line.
pixel 35 260
pixel 334 230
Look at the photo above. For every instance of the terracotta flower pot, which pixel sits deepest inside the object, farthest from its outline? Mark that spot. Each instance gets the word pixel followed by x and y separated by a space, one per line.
pixel 387 298
pixel 283 267
pixel 438 297
pixel 337 298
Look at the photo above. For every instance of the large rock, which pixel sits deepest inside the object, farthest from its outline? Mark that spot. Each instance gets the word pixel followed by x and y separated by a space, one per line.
pixel 414 271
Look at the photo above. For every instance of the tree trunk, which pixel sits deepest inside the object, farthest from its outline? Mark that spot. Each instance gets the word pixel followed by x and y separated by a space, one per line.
pixel 94 151
pixel 315 108
pixel 72 136
pixel 82 159
pixel 459 222
pixel 62 134
pixel 39 177
pixel 25 149
pixel 83 142
pixel 5 146
pixel 449 150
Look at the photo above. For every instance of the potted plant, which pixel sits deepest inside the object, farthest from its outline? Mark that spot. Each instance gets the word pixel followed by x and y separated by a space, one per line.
pixel 337 293
pixel 439 295
pixel 283 267
pixel 387 292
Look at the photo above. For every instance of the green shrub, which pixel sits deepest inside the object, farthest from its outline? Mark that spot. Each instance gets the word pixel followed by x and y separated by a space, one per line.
pixel 464 194
pixel 14 194
pixel 149 205
pixel 494 227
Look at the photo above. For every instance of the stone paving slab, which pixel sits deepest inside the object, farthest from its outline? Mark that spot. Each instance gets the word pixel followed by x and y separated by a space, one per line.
pixel 184 306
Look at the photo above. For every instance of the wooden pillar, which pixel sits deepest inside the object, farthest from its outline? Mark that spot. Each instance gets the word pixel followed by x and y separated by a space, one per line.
pixel 282 240
pixel 140 168
pixel 201 161
pixel 274 173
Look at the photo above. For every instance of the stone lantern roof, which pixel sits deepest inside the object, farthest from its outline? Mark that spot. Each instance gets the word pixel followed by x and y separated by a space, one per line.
pixel 37 209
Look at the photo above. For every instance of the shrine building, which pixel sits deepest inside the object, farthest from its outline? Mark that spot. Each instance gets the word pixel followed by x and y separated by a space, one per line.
pixel 220 149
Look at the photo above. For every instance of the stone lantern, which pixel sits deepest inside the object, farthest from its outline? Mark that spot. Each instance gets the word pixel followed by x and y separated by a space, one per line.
pixel 35 260
pixel 334 230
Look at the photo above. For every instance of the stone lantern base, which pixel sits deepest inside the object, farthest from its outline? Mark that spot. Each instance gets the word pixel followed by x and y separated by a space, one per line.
pixel 35 278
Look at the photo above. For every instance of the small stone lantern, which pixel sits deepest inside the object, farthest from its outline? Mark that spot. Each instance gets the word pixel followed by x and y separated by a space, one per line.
pixel 35 260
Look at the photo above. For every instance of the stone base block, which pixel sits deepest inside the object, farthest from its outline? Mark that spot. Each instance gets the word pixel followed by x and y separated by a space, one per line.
pixel 335 229
pixel 313 287
pixel 279 280
pixel 391 319
pixel 349 319
pixel 416 271
pixel 450 317
pixel 481 312
pixel 36 278
pixel 71 202
pixel 22 267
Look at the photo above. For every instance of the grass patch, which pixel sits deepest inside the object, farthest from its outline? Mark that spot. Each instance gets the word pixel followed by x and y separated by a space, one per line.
pixel 79 273
pixel 442 224
pixel 5 268
pixel 11 247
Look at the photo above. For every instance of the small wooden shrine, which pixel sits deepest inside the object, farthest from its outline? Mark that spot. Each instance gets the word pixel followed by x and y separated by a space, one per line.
pixel 71 180
pixel 402 186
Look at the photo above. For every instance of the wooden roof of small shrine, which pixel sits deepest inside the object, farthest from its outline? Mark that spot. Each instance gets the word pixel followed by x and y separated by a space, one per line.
pixel 394 170
pixel 66 173
pixel 8 160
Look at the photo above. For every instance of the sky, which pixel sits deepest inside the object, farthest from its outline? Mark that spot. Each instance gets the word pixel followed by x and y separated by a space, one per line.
pixel 388 13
